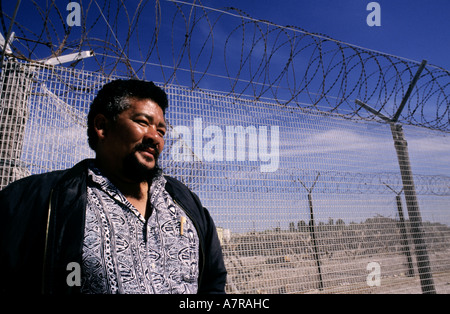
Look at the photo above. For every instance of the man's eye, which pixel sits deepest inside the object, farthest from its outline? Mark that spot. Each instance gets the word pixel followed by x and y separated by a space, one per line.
pixel 143 122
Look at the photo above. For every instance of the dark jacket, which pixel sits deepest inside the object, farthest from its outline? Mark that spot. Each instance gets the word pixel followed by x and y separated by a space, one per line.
pixel 42 228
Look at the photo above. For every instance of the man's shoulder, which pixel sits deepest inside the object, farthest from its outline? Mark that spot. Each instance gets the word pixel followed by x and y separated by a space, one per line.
pixel 181 192
pixel 175 182
pixel 175 186
pixel 42 181
pixel 35 180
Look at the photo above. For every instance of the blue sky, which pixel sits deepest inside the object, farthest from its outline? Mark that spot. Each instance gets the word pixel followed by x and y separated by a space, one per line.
pixel 413 29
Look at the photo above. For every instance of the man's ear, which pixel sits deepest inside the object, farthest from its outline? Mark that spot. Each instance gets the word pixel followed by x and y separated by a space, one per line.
pixel 100 126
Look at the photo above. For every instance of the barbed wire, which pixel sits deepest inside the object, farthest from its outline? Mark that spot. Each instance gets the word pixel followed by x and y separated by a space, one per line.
pixel 225 49
pixel 247 179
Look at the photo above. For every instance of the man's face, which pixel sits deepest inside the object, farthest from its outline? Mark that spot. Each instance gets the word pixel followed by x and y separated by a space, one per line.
pixel 134 141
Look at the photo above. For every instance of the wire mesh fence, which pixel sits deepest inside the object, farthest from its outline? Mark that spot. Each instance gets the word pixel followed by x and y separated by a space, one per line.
pixel 305 201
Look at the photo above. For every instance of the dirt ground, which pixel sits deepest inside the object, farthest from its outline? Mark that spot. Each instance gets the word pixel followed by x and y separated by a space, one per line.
pixel 340 273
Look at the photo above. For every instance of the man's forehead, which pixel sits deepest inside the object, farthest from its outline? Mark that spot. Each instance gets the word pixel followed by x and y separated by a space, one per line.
pixel 143 105
pixel 146 108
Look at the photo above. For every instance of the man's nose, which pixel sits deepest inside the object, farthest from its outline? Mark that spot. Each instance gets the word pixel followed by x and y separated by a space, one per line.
pixel 153 135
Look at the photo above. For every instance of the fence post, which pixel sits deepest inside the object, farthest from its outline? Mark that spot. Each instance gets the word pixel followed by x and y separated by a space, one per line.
pixel 312 230
pixel 404 241
pixel 15 87
pixel 401 147
pixel 423 263
pixel 403 233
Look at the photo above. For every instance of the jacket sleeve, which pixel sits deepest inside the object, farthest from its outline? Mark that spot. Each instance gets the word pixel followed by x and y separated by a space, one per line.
pixel 214 274
pixel 23 217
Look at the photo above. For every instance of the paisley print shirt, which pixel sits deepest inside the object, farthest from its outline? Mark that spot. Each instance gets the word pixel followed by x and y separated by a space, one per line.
pixel 124 253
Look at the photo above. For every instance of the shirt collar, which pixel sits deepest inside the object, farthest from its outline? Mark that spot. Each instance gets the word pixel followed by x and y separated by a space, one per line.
pixel 96 177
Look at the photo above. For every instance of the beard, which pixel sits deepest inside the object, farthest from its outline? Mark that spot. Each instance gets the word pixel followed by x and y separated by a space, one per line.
pixel 137 171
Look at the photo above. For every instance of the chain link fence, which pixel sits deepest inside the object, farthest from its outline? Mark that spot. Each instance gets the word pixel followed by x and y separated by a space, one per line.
pixel 305 201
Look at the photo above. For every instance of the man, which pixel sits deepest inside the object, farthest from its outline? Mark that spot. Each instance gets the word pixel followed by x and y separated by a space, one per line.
pixel 114 224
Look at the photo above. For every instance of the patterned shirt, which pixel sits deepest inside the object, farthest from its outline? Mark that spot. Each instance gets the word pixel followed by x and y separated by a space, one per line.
pixel 124 253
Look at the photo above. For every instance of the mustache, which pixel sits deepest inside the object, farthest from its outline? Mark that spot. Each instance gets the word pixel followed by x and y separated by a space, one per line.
pixel 146 145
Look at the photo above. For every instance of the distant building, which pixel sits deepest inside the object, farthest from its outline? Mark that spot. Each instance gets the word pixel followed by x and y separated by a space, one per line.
pixel 224 235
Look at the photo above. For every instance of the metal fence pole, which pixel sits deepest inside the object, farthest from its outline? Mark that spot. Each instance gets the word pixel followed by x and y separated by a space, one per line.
pixel 423 263
pixel 401 147
pixel 312 230
pixel 15 87
pixel 404 240
pixel 403 232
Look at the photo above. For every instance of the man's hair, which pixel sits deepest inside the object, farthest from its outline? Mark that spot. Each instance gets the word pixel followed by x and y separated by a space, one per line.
pixel 111 100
